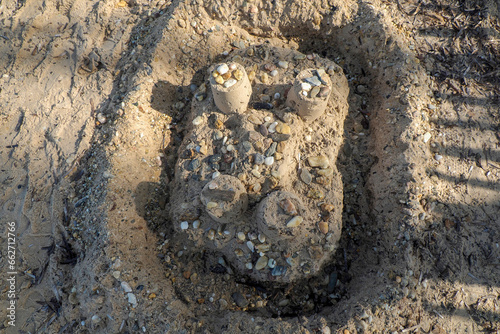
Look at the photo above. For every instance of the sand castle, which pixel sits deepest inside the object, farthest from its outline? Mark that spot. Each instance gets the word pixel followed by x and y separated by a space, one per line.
pixel 256 179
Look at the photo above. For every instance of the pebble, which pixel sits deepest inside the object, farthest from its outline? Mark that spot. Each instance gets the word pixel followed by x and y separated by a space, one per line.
pixel 305 86
pixel 324 91
pixel 325 172
pixel 247 146
pixel 126 287
pixel 323 227
pixel 184 225
pixel 313 81
pixel 263 130
pixel 211 234
pixel 232 67
pixel 215 175
pixel 101 118
pixel 132 299
pixel 239 299
pixel 181 23
pixel 218 135
pixel 258 159
pixel 256 187
pixel 261 263
pixel 305 176
pixel 264 78
pixel 438 157
pixel 219 80
pixel 279 270
pixel 283 64
pixel 269 161
pixel 272 127
pixel 250 246
pixel 283 128
pixel 318 161
pixel 288 207
pixel 300 57
pixel 272 149
pixel 249 266
pixel 251 75
pixel 230 148
pixel 327 207
pixel 280 137
pixel 277 96
pixel 271 263
pixel 254 120
pixel 274 73
pixel 211 205
pixel 256 173
pixel 229 83
pixel 198 120
pixel 222 69
pixel 238 252
pixel 314 92
pixel 321 73
pixel 295 221
pixel 262 238
pixel 238 74
pixel 241 236
pixel 196 224
pixel 315 194
pixel 291 261
pixel 427 137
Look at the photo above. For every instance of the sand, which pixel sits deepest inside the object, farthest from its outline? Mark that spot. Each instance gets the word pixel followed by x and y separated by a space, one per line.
pixel 96 101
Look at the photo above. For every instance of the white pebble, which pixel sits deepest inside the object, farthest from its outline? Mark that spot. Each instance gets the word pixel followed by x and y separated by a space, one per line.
pixel 230 83
pixel 223 69
pixel 277 96
pixel 271 263
pixel 304 93
pixel 230 148
pixel 249 265
pixel 126 287
pixel 283 64
pixel 196 224
pixel 426 137
pixel 232 67
pixel 198 120
pixel 269 161
pixel 262 238
pixel 308 138
pixel 438 157
pixel 267 118
pixel 215 175
pixel 274 73
pixel 132 299
pixel 184 225
pixel 250 246
pixel 305 86
pixel 241 236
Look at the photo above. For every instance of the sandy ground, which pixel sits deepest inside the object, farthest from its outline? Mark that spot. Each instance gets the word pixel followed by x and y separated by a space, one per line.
pixel 94 100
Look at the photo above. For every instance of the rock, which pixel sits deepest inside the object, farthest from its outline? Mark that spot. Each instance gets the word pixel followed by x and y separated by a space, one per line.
pixel 239 299
pixel 295 221
pixel 132 299
pixel 198 121
pixel 184 225
pixel 271 150
pixel 283 64
pixel 314 92
pixel 279 270
pixel 126 287
pixel 288 207
pixel 323 227
pixel 194 165
pixel 305 176
pixel 280 137
pixel 254 120
pixel 281 147
pixel 271 263
pixel 315 194
pixel 426 137
pixel 261 263
pixel 305 86
pixel 263 130
pixel 196 224
pixel 222 69
pixel 318 161
pixel 283 128
pixel 327 207
pixel 258 159
pixel 238 74
pixel 229 83
pixel 247 146
pixel 272 127
pixel 325 172
pixel 222 195
pixel 324 91
pixel 269 161
pixel 314 81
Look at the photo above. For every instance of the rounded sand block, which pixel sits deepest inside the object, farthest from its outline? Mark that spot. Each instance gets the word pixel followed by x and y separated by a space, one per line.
pixel 309 108
pixel 231 99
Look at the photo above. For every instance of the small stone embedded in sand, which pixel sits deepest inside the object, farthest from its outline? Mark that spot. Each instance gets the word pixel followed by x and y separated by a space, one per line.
pixel 261 263
pixel 258 159
pixel 314 92
pixel 272 127
pixel 184 225
pixel 324 91
pixel 196 224
pixel 222 69
pixel 254 120
pixel 305 86
pixel 283 64
pixel 198 120
pixel 315 194
pixel 211 205
pixel 427 137
pixel 318 161
pixel 262 238
pixel 305 176
pixel 250 246
pixel 327 207
pixel 237 74
pixel 229 83
pixel 283 128
pixel 323 227
pixel 211 234
pixel 313 81
pixel 271 263
pixel 325 172
pixel 219 80
pixel 295 221
pixel 269 161
pixel 241 236
pixel 274 73
pixel 288 207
